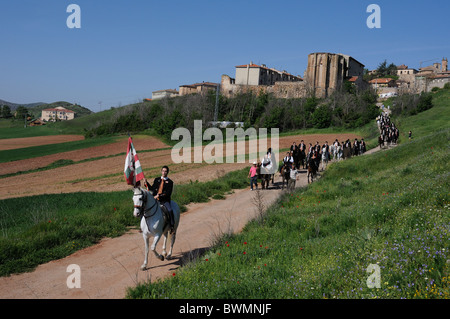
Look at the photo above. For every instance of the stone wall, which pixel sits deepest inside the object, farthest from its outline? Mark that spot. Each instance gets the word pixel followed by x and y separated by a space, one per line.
pixel 282 89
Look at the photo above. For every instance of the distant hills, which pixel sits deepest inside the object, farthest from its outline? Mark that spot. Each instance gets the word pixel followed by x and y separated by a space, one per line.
pixel 36 108
pixel 14 106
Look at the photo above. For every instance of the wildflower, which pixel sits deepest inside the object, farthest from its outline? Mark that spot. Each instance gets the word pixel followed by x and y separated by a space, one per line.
pixel 173 274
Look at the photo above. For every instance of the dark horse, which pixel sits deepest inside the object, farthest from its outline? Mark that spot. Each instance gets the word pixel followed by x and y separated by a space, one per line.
pixel 265 178
pixel 312 168
pixel 285 175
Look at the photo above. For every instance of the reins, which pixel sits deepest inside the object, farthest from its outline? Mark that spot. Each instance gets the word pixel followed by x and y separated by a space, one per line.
pixel 142 210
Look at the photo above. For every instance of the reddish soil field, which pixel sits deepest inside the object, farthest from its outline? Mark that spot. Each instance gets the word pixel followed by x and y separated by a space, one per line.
pixel 13 143
pixel 107 174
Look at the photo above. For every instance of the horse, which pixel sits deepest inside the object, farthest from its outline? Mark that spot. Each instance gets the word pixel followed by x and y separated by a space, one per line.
pixel 339 152
pixel 153 222
pixel 333 151
pixel 265 178
pixel 312 169
pixel 324 157
pixel 380 142
pixel 285 175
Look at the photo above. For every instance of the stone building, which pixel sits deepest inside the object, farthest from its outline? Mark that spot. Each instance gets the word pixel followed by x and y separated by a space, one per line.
pixel 160 94
pixel 57 113
pixel 328 71
pixel 197 88
pixel 436 75
pixel 253 74
pixel 261 79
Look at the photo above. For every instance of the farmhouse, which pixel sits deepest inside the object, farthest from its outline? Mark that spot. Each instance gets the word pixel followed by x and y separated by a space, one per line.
pixel 160 94
pixel 57 113
pixel 382 82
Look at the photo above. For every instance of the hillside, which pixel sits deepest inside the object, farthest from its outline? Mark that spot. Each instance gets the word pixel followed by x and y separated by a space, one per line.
pixel 35 108
pixel 14 106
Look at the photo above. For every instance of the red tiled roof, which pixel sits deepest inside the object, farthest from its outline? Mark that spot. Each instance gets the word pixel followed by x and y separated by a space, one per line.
pixel 251 66
pixel 59 110
pixel 199 84
pixel 381 81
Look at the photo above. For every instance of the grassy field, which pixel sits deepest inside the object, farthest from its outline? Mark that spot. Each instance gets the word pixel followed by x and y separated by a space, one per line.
pixel 38 229
pixel 389 210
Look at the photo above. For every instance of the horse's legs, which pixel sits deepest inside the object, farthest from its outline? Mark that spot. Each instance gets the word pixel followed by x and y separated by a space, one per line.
pixel 164 253
pixel 144 265
pixel 172 242
pixel 155 242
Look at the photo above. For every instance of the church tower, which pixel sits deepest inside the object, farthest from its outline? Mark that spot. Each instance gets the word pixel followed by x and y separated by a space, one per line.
pixel 444 65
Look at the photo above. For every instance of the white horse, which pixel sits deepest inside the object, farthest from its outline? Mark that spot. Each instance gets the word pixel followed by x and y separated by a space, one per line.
pixel 148 208
pixel 324 157
pixel 339 152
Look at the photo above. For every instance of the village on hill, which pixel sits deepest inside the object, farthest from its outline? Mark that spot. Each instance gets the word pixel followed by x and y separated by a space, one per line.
pixel 325 72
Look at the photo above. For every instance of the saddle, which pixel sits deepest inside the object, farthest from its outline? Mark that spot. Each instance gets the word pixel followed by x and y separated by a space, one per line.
pixel 165 214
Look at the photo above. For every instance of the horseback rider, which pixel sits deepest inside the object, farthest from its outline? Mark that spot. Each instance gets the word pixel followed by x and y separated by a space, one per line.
pixel 162 191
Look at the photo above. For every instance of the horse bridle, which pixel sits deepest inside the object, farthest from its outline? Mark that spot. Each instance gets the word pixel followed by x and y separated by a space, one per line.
pixel 141 208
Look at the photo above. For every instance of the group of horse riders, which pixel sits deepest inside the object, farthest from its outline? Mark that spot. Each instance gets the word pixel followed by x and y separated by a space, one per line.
pixel 389 133
pixel 302 154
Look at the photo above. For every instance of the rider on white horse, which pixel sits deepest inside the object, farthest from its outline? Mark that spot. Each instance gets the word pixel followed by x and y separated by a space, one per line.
pixel 162 191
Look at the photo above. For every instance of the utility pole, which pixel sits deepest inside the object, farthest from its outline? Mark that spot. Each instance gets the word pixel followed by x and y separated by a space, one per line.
pixel 216 109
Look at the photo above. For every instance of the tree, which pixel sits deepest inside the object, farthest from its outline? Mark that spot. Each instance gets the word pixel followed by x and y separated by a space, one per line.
pixel 322 116
pixel 21 112
pixel 385 70
pixel 6 112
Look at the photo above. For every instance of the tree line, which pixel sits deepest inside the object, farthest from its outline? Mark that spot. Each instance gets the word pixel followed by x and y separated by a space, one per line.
pixel 347 107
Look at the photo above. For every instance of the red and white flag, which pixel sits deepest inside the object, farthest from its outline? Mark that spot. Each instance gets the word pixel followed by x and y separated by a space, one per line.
pixel 133 170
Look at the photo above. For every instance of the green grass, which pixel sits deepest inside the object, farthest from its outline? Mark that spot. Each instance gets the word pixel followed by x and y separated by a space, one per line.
pixel 38 229
pixel 431 120
pixel 16 129
pixel 389 209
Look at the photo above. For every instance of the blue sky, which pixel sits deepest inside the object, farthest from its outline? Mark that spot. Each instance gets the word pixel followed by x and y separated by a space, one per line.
pixel 124 50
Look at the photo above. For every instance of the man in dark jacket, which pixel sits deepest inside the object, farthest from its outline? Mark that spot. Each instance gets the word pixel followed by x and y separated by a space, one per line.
pixel 162 191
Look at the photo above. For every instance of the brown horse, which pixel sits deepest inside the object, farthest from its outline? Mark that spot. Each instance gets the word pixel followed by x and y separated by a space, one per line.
pixel 312 169
pixel 285 175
